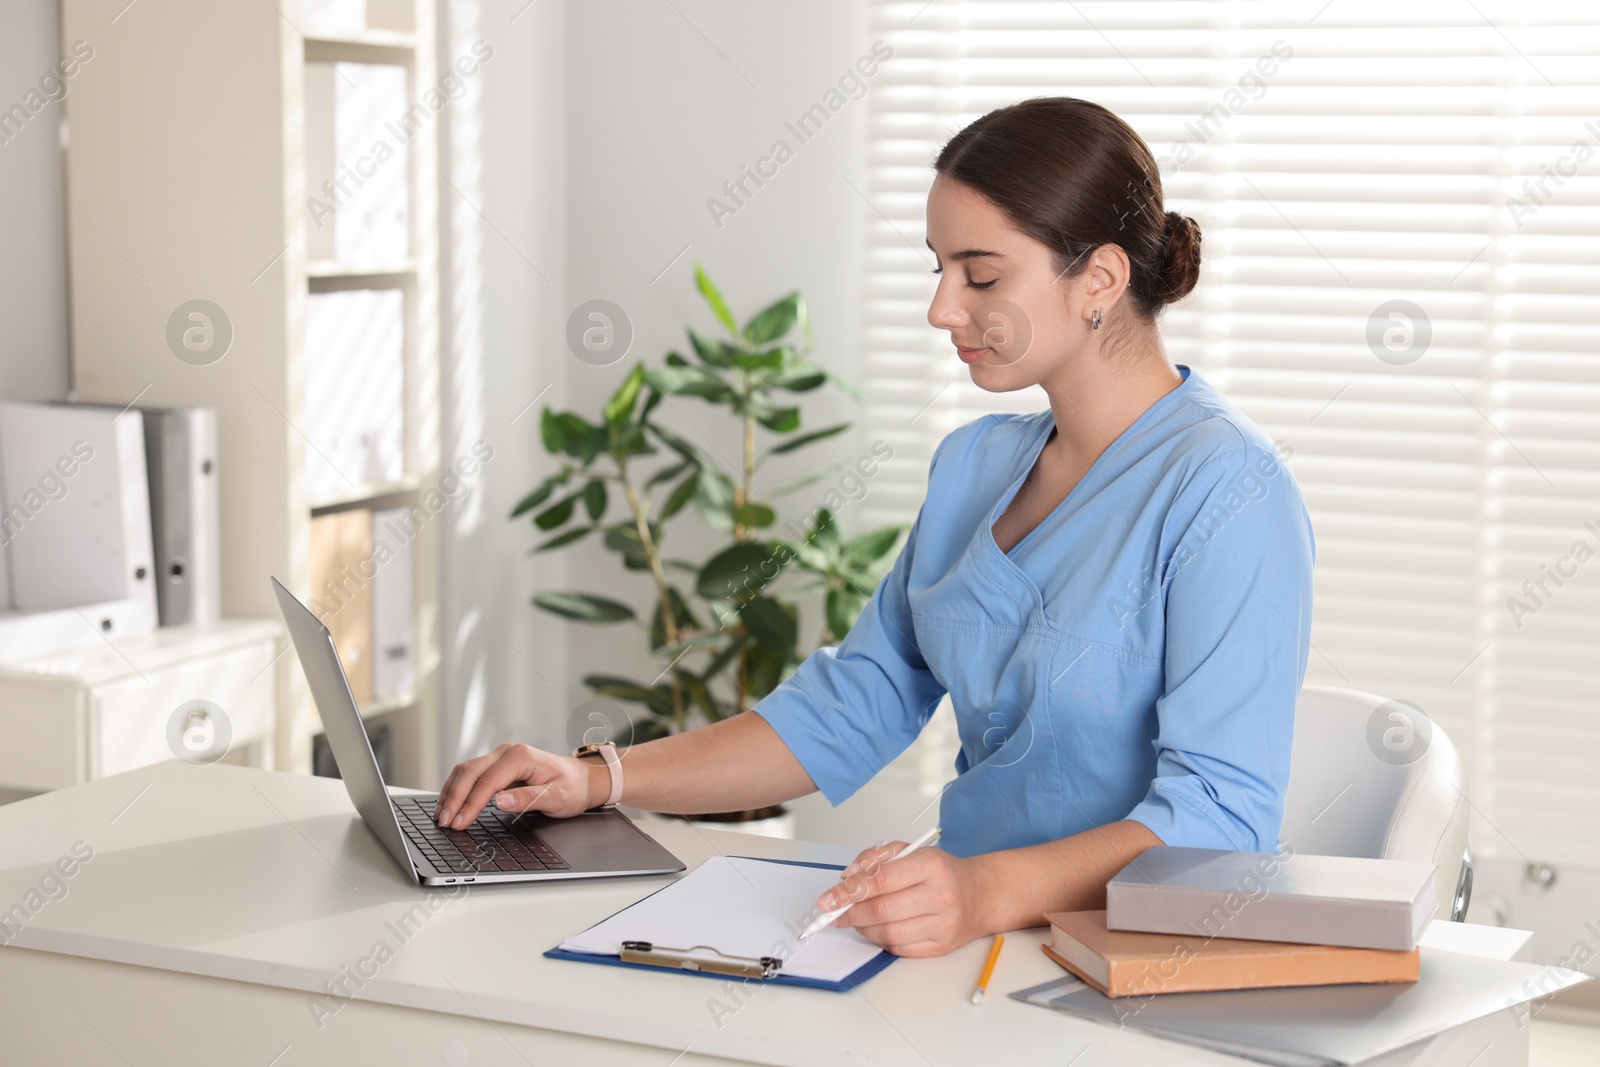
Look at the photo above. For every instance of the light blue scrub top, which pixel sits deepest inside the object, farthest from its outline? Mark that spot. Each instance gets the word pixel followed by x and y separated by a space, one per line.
pixel 1136 656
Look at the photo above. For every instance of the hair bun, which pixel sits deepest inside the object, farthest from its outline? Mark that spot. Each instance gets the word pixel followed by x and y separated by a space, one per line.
pixel 1180 257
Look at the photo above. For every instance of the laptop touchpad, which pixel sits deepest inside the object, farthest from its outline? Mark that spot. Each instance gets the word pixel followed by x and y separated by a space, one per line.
pixel 600 842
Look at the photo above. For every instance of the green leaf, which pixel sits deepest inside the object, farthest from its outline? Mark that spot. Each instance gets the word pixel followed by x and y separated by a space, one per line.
pixel 574 435
pixel 773 625
pixel 810 557
pixel 576 534
pixel 825 534
pixel 550 430
pixel 623 538
pixel 700 696
pixel 763 670
pixel 572 427
pixel 720 661
pixel 540 495
pixel 620 407
pixel 667 474
pixel 682 617
pixel 738 571
pixel 657 698
pixel 583 607
pixel 843 607
pixel 803 313
pixel 713 297
pixel 690 381
pixel 873 546
pixel 713 499
pixel 781 420
pixel 813 585
pixel 591 444
pixel 594 499
pixel 773 322
pixel 768 360
pixel 723 611
pixel 810 438
pixel 800 378
pixel 652 398
pixel 555 514
pixel 756 515
pixel 648 730
pixel 691 643
pixel 678 445
pixel 684 493
pixel 713 353
pixel 632 441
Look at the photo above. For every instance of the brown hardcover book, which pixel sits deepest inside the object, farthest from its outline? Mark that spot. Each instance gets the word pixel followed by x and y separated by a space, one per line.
pixel 1122 963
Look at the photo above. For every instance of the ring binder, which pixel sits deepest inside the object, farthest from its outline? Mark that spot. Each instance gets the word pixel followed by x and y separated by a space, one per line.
pixel 650 955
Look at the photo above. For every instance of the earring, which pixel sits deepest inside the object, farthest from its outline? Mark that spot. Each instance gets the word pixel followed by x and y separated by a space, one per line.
pixel 1096 319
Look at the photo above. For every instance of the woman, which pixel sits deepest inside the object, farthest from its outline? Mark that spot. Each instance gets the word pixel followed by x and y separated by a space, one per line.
pixel 1115 592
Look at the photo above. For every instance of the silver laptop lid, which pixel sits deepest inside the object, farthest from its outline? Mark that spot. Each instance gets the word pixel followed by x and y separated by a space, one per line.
pixel 341 720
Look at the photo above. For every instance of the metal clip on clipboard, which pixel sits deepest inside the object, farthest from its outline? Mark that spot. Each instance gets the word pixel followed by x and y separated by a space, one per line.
pixel 653 955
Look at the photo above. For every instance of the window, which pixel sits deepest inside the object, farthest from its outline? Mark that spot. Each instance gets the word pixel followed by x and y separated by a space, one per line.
pixel 1401 284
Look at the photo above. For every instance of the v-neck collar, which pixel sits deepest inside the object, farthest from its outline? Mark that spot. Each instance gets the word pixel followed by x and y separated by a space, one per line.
pixel 1047 424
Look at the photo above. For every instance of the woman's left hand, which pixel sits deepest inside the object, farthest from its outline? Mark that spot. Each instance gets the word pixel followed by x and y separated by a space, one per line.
pixel 927 904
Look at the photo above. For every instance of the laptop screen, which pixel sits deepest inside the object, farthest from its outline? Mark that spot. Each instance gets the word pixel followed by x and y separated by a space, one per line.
pixel 341 720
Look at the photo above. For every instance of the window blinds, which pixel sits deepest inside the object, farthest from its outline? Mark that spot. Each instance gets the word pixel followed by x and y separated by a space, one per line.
pixel 1436 153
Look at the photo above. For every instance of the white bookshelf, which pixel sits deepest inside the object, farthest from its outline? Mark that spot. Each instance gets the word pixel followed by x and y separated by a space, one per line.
pixel 187 175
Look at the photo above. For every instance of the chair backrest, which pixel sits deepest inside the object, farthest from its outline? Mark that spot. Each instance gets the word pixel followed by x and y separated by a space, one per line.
pixel 1369 777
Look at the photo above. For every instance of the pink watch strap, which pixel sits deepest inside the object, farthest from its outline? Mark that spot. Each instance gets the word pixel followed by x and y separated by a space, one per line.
pixel 608 752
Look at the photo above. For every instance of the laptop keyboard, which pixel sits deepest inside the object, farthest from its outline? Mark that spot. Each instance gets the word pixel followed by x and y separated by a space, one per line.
pixel 489 844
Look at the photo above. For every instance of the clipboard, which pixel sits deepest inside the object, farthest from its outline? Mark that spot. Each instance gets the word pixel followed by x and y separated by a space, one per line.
pixel 679 959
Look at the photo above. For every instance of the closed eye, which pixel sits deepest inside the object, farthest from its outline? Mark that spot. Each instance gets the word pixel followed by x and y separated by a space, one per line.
pixel 975 285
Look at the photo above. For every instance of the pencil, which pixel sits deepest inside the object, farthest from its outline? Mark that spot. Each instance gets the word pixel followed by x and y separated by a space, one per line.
pixel 988 968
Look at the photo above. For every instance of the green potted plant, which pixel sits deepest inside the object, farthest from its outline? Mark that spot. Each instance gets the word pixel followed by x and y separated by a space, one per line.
pixel 725 628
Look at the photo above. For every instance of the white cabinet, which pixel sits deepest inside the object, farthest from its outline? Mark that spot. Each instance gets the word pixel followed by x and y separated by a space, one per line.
pixel 71 717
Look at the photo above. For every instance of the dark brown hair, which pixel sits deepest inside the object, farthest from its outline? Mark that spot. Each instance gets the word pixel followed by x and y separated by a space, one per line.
pixel 1074 176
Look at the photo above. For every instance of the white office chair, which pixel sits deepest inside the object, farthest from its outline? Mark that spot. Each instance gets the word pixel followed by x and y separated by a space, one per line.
pixel 1380 785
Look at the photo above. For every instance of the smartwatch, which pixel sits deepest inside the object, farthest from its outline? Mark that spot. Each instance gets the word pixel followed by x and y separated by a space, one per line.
pixel 607 750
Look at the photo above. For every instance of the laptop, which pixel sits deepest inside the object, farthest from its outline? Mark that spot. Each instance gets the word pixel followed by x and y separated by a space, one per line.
pixel 498 847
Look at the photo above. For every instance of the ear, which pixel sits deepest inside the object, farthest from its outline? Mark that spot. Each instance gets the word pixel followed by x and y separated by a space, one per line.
pixel 1106 279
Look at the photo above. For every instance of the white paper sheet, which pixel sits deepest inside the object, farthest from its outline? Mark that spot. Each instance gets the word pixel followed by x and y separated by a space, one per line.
pixel 740 907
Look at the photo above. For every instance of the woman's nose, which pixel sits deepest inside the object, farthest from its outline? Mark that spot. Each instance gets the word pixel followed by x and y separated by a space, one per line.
pixel 946 314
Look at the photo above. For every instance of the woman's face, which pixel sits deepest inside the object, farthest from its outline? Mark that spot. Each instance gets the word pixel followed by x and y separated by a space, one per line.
pixel 1011 320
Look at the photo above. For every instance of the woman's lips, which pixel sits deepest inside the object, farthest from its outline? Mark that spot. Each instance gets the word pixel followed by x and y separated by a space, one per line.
pixel 972 355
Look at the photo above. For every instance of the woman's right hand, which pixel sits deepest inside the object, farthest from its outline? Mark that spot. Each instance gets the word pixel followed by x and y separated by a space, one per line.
pixel 517 778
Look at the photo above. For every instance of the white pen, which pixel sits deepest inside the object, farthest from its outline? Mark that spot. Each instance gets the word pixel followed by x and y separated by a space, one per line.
pixel 822 921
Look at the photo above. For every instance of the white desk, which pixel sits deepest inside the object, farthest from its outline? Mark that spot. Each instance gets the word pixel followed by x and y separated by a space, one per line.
pixel 220 899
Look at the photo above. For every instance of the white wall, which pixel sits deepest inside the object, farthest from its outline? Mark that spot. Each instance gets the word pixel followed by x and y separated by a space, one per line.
pixel 33 248
pixel 501 207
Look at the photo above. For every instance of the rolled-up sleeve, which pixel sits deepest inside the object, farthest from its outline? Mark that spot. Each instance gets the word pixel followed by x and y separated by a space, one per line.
pixel 849 710
pixel 1238 622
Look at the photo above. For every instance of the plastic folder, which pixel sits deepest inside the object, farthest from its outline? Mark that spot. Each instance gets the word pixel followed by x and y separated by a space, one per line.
pixel 734 917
